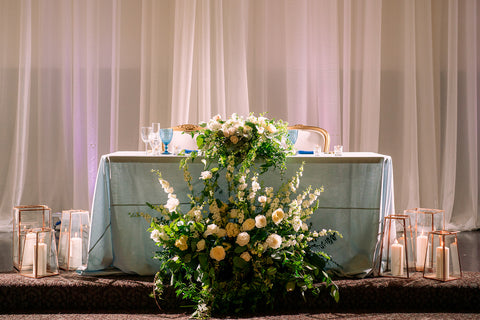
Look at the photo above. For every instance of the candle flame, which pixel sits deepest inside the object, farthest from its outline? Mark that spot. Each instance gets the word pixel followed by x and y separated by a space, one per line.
pixel 76 234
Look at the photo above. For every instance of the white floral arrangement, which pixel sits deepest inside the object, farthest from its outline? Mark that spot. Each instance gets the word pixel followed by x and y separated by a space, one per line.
pixel 236 251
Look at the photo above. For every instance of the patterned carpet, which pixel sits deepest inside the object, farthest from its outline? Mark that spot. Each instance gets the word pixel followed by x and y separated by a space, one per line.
pixel 77 295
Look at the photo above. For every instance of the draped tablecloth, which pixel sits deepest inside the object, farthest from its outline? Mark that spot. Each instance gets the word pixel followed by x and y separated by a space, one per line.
pixel 358 193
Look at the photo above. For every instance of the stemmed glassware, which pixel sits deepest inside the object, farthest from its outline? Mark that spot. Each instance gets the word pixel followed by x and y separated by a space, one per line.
pixel 145 134
pixel 293 136
pixel 166 135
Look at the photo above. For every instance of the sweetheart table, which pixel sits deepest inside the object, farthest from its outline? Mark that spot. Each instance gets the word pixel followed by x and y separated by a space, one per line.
pixel 358 193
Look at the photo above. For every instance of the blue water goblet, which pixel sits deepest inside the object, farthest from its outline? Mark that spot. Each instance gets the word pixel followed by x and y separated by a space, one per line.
pixel 292 136
pixel 166 134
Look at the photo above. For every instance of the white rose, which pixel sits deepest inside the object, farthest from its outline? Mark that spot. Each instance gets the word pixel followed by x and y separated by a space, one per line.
pixel 201 245
pixel 274 241
pixel 262 199
pixel 243 186
pixel 242 239
pixel 246 256
pixel 217 253
pixel 260 129
pixel 206 175
pixel 271 128
pixel 217 117
pixel 211 229
pixel 255 186
pixel 248 224
pixel 172 204
pixel 260 221
pixel 155 235
pixel 277 216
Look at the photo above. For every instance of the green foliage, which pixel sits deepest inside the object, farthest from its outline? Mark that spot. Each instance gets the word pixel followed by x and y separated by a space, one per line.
pixel 227 256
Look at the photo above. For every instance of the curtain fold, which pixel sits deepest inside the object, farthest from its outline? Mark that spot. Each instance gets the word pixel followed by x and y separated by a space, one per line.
pixel 79 78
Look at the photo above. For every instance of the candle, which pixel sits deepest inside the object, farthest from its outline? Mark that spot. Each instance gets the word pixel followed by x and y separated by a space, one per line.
pixel 442 262
pixel 397 259
pixel 27 259
pixel 40 261
pixel 455 259
pixel 422 241
pixel 75 252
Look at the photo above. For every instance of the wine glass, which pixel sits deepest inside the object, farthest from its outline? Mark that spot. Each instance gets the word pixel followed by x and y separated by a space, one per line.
pixel 145 134
pixel 166 135
pixel 156 127
pixel 292 136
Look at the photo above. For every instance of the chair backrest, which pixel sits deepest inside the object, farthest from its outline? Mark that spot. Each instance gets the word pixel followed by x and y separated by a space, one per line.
pixel 310 137
pixel 182 138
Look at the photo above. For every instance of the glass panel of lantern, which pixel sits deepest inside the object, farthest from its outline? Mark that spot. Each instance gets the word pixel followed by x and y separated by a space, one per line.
pixel 24 219
pixel 442 261
pixel 39 254
pixel 424 221
pixel 73 240
pixel 396 259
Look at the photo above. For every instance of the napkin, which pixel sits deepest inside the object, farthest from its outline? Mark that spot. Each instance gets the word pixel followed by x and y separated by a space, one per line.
pixel 305 152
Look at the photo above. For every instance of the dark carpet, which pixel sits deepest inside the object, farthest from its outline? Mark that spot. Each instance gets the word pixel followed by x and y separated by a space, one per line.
pixel 70 296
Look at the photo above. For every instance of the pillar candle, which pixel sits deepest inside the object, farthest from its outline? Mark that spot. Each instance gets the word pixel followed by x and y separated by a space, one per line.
pixel 455 259
pixel 397 258
pixel 40 261
pixel 27 259
pixel 75 252
pixel 421 251
pixel 442 262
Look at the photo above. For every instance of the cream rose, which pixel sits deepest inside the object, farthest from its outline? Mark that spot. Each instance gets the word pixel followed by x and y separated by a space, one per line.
pixel 205 175
pixel 234 139
pixel 246 256
pixel 201 245
pixel 221 233
pixel 242 239
pixel 260 221
pixel 211 229
pixel 181 243
pixel 277 215
pixel 172 204
pixel 217 253
pixel 155 235
pixel 232 229
pixel 248 224
pixel 274 241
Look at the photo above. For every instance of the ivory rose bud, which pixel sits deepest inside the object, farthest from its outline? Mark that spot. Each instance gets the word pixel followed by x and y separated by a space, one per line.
pixel 201 245
pixel 246 256
pixel 232 229
pixel 181 243
pixel 277 215
pixel 274 241
pixel 248 224
pixel 217 253
pixel 260 221
pixel 242 239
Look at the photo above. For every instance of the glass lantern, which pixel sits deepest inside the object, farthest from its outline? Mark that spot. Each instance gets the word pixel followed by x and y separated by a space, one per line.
pixel 396 259
pixel 39 254
pixel 24 219
pixel 424 221
pixel 443 261
pixel 73 240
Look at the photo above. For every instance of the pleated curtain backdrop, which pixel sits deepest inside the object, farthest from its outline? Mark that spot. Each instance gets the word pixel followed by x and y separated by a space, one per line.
pixel 399 77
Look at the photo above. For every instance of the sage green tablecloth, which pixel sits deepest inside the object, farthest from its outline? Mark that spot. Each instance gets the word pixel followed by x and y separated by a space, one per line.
pixel 358 194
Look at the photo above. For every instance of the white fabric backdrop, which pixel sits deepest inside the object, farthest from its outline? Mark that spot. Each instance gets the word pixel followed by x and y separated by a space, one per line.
pixel 78 79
